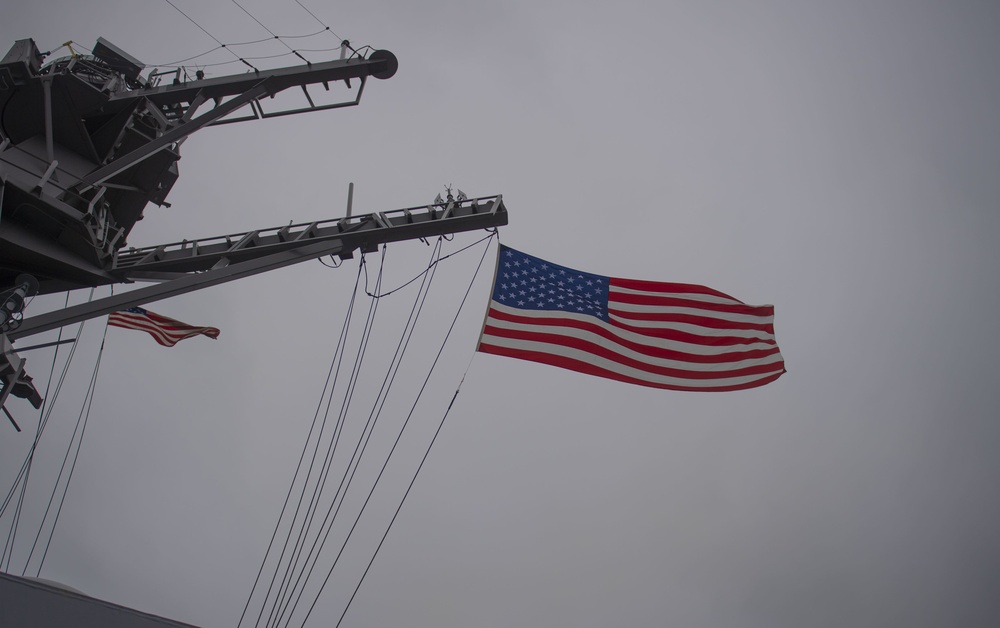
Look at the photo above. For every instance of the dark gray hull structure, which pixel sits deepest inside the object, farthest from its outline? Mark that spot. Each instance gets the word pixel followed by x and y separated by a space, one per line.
pixel 34 603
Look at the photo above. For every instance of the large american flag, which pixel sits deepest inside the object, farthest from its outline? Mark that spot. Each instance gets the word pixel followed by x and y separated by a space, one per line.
pixel 665 335
pixel 165 331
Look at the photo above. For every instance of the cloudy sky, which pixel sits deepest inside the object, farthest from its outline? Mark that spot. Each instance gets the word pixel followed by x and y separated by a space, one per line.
pixel 840 160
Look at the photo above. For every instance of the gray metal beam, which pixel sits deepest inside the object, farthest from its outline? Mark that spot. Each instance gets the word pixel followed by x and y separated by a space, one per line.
pixel 357 232
pixel 381 64
pixel 188 283
pixel 238 260
pixel 177 133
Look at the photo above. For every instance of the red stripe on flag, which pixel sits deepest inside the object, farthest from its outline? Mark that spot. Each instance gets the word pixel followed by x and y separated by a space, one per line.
pixel 165 331
pixel 585 367
pixel 675 301
pixel 603 330
pixel 659 286
pixel 665 334
pixel 600 351
pixel 693 319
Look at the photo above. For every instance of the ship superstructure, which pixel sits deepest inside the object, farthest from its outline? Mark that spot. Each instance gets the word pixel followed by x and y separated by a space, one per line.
pixel 87 143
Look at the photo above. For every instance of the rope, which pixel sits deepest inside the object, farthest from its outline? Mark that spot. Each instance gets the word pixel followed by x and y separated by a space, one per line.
pixel 44 420
pixel 285 44
pixel 318 20
pixel 364 439
pixel 274 36
pixel 298 559
pixel 202 28
pixel 328 456
pixel 38 430
pixel 405 495
pixel 11 534
pixel 191 19
pixel 426 453
pixel 330 373
pixel 69 478
pixel 177 64
pixel 22 475
pixel 464 248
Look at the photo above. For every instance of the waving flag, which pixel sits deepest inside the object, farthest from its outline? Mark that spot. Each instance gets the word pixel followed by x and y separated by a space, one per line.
pixel 165 331
pixel 664 335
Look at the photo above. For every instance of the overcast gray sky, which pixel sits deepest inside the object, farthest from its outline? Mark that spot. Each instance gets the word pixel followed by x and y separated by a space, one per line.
pixel 837 159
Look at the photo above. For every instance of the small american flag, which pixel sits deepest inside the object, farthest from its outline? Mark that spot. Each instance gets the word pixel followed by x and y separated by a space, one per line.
pixel 165 331
pixel 664 335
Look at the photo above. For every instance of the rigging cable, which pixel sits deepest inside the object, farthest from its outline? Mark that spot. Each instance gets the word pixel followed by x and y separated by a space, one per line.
pixel 426 453
pixel 307 480
pixel 221 45
pixel 191 19
pixel 328 456
pixel 179 62
pixel 22 476
pixel 244 59
pixel 330 522
pixel 26 467
pixel 405 495
pixel 366 432
pixel 242 8
pixel 330 373
pixel 45 419
pixel 88 404
pixel 318 20
pixel 41 410
pixel 285 594
pixel 492 231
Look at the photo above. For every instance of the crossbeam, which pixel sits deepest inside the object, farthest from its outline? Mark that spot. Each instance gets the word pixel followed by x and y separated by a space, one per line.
pixel 189 267
pixel 363 231
pixel 381 64
pixel 175 134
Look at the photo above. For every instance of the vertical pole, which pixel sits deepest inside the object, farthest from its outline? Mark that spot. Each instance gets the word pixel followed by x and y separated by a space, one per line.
pixel 47 91
pixel 350 197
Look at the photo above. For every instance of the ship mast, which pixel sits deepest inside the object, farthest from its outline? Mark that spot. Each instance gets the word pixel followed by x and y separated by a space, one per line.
pixel 87 142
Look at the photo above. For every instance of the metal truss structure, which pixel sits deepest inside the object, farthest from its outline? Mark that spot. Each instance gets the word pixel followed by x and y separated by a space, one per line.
pixel 87 142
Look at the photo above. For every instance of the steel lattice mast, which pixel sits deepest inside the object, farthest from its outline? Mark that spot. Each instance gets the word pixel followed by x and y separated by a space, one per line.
pixel 87 143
